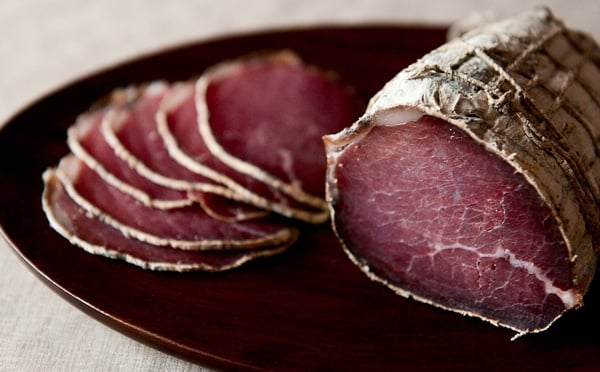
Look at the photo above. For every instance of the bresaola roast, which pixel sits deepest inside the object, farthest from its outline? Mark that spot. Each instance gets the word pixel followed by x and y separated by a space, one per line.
pixel 144 184
pixel 472 180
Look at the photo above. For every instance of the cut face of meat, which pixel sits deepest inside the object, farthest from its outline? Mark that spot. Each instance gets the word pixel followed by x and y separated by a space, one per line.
pixel 438 216
pixel 491 210
pixel 94 236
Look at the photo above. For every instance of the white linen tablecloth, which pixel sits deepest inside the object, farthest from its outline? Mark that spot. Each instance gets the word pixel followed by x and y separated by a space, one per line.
pixel 48 43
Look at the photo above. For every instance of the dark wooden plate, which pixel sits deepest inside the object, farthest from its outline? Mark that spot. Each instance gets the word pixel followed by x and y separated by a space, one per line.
pixel 309 308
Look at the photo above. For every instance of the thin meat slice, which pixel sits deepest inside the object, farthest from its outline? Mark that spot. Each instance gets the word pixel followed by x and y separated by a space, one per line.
pixel 227 208
pixel 90 233
pixel 278 104
pixel 263 119
pixel 184 228
pixel 86 141
pixel 129 116
pixel 472 180
pixel 136 140
pixel 177 125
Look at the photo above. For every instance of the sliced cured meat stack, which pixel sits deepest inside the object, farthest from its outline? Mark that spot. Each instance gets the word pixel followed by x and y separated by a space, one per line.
pixel 135 139
pixel 188 228
pixel 177 124
pixel 275 104
pixel 472 180
pixel 139 165
pixel 92 234
pixel 262 117
pixel 87 143
pixel 140 200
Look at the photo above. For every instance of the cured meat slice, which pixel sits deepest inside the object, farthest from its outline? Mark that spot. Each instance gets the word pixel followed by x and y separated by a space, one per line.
pixel 132 111
pixel 184 228
pixel 95 236
pixel 471 182
pixel 134 140
pixel 263 118
pixel 87 143
pixel 177 125
pixel 226 209
pixel 137 141
pixel 275 104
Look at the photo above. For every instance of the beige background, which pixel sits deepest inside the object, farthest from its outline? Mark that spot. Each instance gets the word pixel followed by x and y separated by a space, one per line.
pixel 48 43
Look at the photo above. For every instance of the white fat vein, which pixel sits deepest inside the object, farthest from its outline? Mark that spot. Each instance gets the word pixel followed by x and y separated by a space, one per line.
pixel 567 297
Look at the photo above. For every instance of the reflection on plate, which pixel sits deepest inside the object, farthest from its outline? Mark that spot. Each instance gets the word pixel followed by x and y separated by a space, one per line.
pixel 308 308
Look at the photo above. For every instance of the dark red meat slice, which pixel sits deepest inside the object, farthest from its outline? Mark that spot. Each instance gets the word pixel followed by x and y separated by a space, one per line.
pixel 279 106
pixel 122 167
pixel 424 208
pixel 226 209
pixel 137 140
pixel 177 122
pixel 185 228
pixel 87 143
pixel 94 236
